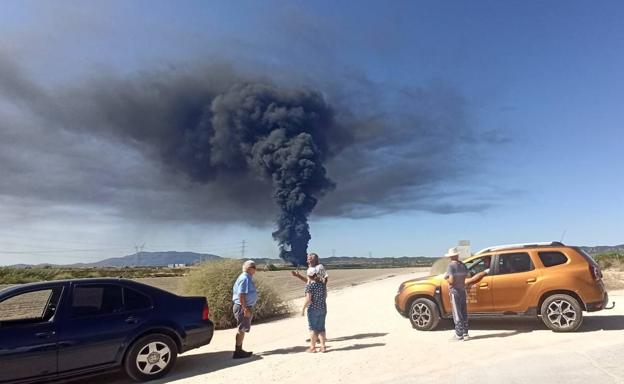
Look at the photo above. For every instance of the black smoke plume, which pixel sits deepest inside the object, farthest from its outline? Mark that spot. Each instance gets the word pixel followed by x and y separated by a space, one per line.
pixel 217 133
pixel 279 135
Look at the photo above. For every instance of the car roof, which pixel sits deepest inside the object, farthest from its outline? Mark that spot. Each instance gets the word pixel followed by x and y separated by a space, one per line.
pixel 521 246
pixel 51 283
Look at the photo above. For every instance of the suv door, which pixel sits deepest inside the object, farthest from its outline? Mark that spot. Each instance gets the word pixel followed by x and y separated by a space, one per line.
pixel 479 296
pixel 28 339
pixel 515 282
pixel 96 327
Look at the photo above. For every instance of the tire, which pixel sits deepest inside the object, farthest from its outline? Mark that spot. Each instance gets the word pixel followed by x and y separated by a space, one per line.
pixel 424 314
pixel 151 357
pixel 562 313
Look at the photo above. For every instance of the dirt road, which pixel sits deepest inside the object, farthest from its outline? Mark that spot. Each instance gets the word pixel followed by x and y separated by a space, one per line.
pixel 371 343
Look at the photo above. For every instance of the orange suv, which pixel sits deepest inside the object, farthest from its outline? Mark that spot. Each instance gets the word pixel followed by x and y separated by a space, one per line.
pixel 551 280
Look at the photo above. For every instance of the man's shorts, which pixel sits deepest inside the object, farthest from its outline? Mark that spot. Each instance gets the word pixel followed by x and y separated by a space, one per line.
pixel 243 323
pixel 316 320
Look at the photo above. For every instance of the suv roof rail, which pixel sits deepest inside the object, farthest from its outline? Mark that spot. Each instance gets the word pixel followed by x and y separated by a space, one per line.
pixel 521 245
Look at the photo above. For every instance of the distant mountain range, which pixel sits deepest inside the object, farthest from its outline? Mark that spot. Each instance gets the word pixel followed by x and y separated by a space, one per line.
pixel 155 259
pixel 160 259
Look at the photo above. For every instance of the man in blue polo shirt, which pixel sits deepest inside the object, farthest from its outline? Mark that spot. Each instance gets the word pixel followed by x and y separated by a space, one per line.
pixel 244 296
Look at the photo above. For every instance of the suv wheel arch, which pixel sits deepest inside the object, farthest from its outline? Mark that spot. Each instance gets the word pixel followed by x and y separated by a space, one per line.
pixel 160 331
pixel 428 315
pixel 562 313
pixel 546 295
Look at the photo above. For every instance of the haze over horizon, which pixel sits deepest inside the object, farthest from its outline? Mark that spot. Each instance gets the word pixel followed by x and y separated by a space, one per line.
pixel 493 122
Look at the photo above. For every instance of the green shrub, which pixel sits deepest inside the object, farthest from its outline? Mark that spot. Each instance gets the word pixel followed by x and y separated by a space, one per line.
pixel 215 280
pixel 610 260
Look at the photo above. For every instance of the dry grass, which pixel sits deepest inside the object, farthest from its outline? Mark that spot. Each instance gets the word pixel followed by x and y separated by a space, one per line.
pixel 614 280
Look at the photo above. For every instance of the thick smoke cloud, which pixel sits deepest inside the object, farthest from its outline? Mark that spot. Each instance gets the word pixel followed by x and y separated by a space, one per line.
pixel 282 136
pixel 212 144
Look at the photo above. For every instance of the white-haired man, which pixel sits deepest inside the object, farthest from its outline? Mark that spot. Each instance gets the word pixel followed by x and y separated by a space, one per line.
pixel 244 296
pixel 313 262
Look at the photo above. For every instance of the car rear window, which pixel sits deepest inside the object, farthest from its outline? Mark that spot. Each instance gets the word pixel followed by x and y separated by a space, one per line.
pixel 134 300
pixel 550 258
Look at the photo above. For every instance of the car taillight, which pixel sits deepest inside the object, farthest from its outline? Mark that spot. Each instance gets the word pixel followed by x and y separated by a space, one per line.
pixel 595 271
pixel 206 312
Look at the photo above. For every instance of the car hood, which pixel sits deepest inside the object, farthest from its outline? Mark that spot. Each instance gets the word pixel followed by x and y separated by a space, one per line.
pixel 426 280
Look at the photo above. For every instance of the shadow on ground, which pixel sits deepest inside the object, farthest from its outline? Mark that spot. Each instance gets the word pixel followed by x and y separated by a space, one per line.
pixel 521 325
pixel 602 323
pixel 514 325
pixel 298 349
pixel 186 366
pixel 354 347
pixel 357 336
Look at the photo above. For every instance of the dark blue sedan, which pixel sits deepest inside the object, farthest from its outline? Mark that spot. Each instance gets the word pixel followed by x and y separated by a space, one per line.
pixel 52 330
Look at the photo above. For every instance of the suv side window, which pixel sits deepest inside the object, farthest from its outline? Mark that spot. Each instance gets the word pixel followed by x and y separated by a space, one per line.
pixel 514 263
pixel 134 300
pixel 479 265
pixel 550 259
pixel 100 299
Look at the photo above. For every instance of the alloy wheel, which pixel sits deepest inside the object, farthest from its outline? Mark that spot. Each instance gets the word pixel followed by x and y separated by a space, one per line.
pixel 561 313
pixel 153 358
pixel 421 315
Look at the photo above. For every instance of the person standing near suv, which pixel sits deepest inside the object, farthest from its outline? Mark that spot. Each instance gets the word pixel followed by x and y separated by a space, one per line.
pixel 458 278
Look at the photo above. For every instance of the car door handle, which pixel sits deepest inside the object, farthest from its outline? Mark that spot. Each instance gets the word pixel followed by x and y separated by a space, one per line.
pixel 531 280
pixel 132 320
pixel 45 335
pixel 483 285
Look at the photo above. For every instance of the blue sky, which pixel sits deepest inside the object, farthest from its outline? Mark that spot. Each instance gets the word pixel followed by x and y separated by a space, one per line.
pixel 542 80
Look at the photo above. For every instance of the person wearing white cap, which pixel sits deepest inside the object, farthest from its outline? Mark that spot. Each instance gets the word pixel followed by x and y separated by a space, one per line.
pixel 313 262
pixel 458 278
pixel 316 293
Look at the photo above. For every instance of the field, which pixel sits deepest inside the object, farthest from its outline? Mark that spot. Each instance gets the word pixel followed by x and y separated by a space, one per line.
pixel 292 288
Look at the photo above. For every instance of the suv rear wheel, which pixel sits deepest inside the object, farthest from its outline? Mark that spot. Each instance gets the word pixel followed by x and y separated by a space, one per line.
pixel 151 357
pixel 562 313
pixel 424 314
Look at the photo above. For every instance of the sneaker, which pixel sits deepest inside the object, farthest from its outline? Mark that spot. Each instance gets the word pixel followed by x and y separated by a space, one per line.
pixel 241 354
pixel 456 338
pixel 466 337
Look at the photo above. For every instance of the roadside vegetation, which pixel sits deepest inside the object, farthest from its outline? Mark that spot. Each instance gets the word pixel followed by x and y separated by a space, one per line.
pixel 215 280
pixel 10 275
pixel 611 260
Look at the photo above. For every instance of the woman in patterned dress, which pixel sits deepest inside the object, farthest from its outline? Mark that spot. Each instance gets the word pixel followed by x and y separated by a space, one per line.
pixel 315 292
